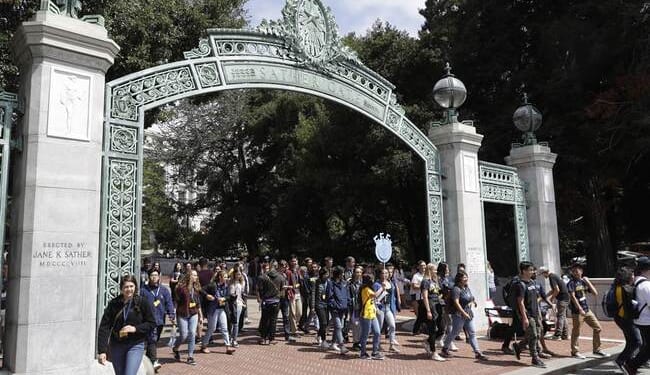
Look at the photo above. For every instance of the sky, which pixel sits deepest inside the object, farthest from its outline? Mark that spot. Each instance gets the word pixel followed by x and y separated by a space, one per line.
pixel 352 15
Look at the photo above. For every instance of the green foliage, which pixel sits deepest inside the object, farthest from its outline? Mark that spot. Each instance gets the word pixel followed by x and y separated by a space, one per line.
pixel 160 225
pixel 585 64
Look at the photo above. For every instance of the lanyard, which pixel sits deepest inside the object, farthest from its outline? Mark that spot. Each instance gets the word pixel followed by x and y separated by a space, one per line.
pixel 157 292
pixel 126 310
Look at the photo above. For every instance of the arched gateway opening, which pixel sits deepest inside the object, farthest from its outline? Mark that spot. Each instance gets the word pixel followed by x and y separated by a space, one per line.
pixel 303 53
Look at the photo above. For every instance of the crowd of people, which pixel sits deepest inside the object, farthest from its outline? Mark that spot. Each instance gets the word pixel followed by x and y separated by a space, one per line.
pixel 357 302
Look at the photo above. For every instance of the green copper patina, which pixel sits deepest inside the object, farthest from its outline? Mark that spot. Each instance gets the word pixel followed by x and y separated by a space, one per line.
pixel 302 52
pixel 8 106
pixel 70 8
pixel 501 184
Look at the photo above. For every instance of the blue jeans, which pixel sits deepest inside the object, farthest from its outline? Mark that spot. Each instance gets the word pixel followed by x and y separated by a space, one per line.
pixel 458 322
pixel 389 318
pixel 126 358
pixel 187 328
pixel 284 309
pixel 217 317
pixel 337 334
pixel 366 326
pixel 632 339
pixel 237 312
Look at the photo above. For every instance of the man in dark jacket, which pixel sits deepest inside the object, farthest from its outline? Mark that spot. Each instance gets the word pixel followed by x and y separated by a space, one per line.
pixel 160 299
pixel 269 288
pixel 338 303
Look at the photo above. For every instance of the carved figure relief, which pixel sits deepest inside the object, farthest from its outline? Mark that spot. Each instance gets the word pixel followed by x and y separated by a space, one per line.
pixel 69 105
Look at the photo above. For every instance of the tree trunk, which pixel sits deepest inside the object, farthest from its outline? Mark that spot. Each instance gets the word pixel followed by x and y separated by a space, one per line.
pixel 601 261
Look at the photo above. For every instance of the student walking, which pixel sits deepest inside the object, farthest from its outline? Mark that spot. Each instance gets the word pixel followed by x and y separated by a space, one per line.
pixel 578 288
pixel 560 294
pixel 432 310
pixel 462 316
pixel 338 304
pixel 318 303
pixel 188 314
pixel 368 320
pixel 527 312
pixel 216 293
pixel 642 322
pixel 160 300
pixel 237 290
pixel 354 286
pixel 125 326
pixel 624 295
pixel 387 305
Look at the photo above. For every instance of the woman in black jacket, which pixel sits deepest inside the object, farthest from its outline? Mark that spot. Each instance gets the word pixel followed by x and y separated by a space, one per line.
pixel 127 322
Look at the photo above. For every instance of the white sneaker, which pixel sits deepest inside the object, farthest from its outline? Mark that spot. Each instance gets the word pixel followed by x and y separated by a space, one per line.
pixel 437 357
pixel 453 347
pixel 393 349
pixel 318 340
pixel 335 347
pixel 394 342
pixel 439 343
pixel 324 345
pixel 343 349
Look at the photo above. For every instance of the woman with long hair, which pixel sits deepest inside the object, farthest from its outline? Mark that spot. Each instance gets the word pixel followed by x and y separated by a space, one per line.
pixel 174 278
pixel 462 316
pixel 431 309
pixel 237 285
pixel 446 283
pixel 386 303
pixel 368 319
pixel 188 308
pixel 125 325
pixel 216 293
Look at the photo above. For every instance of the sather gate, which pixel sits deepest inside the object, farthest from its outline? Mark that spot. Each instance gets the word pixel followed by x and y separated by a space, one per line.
pixel 303 53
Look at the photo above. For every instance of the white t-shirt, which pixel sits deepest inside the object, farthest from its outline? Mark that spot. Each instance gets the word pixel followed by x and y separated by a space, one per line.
pixel 643 298
pixel 415 285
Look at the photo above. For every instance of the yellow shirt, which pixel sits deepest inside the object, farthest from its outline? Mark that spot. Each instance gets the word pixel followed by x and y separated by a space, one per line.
pixel 368 303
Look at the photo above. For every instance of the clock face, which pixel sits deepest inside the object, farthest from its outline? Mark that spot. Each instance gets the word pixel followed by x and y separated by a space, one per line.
pixel 313 32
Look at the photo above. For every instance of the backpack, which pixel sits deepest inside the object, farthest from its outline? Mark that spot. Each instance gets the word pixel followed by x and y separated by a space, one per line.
pixel 508 292
pixel 609 304
pixel 635 313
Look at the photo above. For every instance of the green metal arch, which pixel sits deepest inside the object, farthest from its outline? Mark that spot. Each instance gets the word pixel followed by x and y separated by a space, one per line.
pixel 271 57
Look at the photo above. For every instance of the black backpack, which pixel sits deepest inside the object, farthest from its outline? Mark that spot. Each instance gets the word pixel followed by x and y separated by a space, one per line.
pixel 508 292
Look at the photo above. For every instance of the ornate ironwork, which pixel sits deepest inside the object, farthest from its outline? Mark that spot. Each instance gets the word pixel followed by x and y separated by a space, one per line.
pixel 8 104
pixel 129 97
pixel 202 50
pixel 501 184
pixel 436 233
pixel 120 218
pixel 124 139
pixel 310 31
pixel 208 74
pixel 302 52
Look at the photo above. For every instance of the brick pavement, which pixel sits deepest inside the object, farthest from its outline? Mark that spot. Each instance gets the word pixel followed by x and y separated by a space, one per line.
pixel 303 357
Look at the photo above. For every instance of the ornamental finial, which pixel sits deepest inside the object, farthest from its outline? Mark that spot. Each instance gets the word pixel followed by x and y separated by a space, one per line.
pixel 525 98
pixel 448 68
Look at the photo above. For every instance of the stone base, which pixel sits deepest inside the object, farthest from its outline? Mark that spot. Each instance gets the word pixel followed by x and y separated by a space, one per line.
pixel 93 368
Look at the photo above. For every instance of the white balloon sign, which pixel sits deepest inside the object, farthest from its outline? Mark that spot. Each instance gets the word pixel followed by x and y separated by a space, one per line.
pixel 383 247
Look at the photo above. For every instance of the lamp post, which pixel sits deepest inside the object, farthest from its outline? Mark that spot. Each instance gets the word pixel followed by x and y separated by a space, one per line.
pixel 527 118
pixel 450 93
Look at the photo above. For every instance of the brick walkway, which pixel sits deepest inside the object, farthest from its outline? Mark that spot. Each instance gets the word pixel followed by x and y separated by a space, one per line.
pixel 303 357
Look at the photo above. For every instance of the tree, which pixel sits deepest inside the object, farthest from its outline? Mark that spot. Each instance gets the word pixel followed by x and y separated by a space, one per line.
pixel 585 65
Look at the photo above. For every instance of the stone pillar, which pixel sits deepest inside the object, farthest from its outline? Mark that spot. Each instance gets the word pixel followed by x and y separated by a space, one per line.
pixel 53 262
pixel 458 145
pixel 534 165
